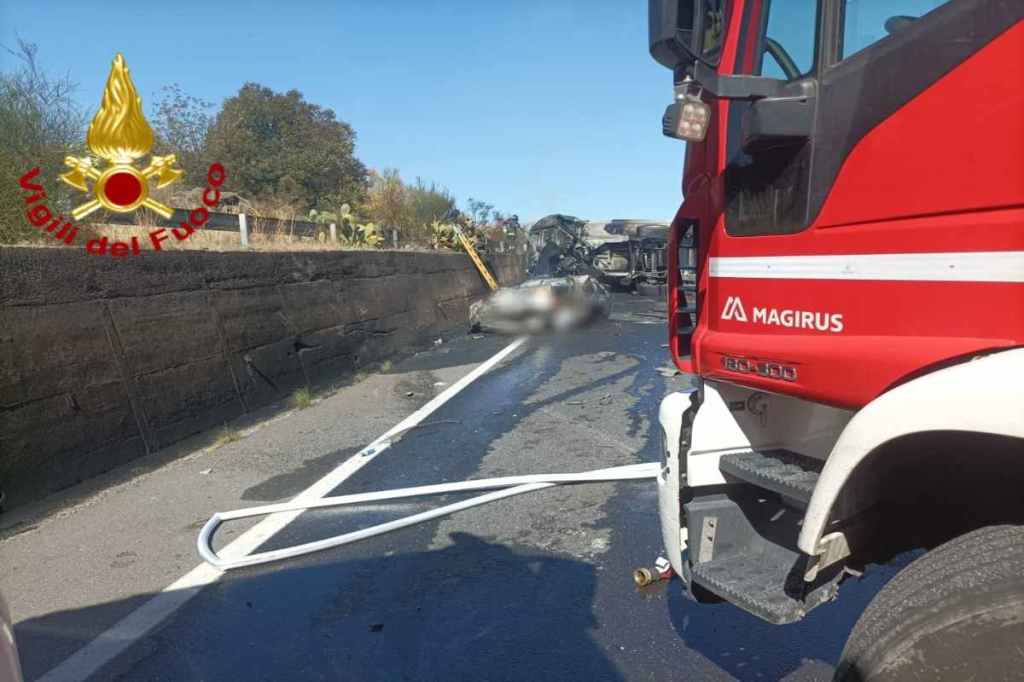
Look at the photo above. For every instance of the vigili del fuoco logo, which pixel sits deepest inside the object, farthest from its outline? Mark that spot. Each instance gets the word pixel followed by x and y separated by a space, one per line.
pixel 118 136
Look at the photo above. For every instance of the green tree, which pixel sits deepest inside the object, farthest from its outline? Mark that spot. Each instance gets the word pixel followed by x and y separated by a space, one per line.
pixel 41 125
pixel 410 209
pixel 430 203
pixel 182 124
pixel 387 201
pixel 273 143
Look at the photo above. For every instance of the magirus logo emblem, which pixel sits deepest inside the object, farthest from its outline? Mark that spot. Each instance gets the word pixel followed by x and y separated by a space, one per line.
pixel 734 310
pixel 120 134
pixel 776 317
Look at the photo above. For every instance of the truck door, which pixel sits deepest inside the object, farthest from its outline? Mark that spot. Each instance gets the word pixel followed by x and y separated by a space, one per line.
pixel 873 215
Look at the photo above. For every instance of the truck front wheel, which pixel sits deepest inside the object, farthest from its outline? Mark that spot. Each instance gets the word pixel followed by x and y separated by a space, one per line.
pixel 956 613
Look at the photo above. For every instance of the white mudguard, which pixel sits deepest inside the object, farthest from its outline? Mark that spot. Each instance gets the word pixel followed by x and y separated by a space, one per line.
pixel 670 414
pixel 985 395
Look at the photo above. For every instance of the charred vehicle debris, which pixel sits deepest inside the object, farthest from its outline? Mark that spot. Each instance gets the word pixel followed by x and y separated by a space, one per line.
pixel 623 254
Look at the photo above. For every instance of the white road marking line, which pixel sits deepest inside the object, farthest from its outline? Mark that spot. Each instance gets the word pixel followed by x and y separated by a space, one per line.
pixel 100 651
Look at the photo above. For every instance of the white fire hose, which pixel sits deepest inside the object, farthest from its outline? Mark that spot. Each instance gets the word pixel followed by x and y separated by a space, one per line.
pixel 506 487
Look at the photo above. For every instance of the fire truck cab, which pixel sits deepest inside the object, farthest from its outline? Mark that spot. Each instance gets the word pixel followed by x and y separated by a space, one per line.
pixel 846 281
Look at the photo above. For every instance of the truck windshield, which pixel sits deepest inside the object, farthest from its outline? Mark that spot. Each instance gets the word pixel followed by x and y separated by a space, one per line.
pixel 787 44
pixel 865 22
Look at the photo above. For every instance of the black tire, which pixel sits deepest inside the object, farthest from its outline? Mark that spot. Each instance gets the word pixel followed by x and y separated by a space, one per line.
pixel 956 613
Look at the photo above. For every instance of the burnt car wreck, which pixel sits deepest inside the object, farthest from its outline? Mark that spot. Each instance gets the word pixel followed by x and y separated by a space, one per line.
pixel 542 304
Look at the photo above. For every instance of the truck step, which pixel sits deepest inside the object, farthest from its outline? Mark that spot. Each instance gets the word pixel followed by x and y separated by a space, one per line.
pixel 742 547
pixel 790 475
pixel 745 581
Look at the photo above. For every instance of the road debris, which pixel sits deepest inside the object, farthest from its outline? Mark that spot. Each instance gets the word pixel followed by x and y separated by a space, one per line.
pixel 644 576
pixel 668 371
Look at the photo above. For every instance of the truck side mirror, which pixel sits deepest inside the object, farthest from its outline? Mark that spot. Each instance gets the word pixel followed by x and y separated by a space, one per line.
pixel 674 30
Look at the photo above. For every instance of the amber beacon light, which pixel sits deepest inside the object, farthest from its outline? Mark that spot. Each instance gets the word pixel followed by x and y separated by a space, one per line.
pixel 119 134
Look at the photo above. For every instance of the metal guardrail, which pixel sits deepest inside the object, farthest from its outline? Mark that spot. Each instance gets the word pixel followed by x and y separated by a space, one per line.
pixel 245 224
pixel 230 222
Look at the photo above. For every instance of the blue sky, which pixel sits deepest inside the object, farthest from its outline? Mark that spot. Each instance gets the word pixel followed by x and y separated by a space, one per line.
pixel 536 106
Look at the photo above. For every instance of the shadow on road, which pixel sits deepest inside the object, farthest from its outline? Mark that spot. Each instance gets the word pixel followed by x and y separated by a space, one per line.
pixel 472 610
pixel 749 648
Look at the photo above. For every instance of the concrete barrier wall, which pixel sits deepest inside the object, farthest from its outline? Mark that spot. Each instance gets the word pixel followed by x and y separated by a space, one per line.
pixel 104 360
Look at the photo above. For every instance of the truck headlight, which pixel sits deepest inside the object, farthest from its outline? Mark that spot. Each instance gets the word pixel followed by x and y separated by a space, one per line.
pixel 687 118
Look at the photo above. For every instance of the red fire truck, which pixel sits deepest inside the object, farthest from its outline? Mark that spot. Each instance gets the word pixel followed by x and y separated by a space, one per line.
pixel 847 284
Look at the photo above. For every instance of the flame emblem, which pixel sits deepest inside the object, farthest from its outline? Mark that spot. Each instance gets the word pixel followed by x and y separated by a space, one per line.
pixel 120 134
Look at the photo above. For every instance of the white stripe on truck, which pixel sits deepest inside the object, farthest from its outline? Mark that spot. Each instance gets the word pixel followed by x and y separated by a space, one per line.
pixel 970 266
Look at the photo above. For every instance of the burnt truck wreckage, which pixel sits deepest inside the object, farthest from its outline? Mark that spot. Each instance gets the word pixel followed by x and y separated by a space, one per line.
pixel 575 262
pixel 620 253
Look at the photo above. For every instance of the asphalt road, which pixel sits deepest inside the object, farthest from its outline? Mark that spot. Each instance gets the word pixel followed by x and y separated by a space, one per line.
pixel 531 588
